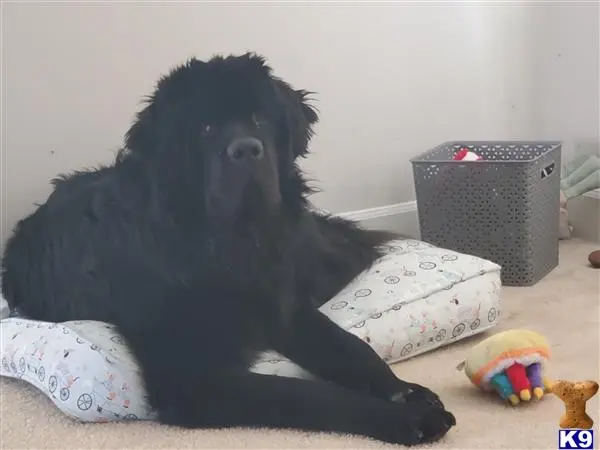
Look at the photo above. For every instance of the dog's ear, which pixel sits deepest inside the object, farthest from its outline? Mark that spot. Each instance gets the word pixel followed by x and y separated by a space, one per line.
pixel 300 117
pixel 141 136
pixel 144 135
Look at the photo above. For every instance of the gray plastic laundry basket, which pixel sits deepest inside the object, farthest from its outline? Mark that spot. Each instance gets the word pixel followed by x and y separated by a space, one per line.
pixel 504 208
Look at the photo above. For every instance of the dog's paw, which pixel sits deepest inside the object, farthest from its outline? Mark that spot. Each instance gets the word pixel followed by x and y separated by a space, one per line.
pixel 415 393
pixel 434 422
pixel 420 423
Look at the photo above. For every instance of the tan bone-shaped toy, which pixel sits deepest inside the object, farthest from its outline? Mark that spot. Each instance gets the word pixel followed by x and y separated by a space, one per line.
pixel 574 395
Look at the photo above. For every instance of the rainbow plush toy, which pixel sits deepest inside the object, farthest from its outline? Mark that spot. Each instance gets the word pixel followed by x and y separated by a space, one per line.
pixel 510 363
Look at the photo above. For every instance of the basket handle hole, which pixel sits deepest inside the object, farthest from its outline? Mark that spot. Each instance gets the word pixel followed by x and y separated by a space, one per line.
pixel 548 170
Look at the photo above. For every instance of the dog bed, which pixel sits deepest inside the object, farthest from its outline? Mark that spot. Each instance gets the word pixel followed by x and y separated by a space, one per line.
pixel 414 299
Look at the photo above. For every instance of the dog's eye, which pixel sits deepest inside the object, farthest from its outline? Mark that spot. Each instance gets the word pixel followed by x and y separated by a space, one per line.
pixel 258 122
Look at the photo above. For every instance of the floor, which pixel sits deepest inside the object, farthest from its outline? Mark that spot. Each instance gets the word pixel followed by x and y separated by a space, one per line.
pixel 563 306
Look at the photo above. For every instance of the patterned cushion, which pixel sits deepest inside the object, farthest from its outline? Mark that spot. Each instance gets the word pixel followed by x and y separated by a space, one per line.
pixel 414 299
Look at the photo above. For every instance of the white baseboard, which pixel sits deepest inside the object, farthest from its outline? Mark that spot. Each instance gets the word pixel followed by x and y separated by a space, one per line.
pixel 398 217
pixel 403 217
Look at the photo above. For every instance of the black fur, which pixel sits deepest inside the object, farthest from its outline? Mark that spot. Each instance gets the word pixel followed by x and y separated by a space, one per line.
pixel 202 264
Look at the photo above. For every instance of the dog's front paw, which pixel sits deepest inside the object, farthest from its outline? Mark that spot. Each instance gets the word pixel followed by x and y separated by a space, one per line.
pixel 434 423
pixel 415 393
pixel 420 423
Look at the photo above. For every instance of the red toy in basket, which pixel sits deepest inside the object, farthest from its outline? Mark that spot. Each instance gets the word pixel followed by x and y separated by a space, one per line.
pixel 464 154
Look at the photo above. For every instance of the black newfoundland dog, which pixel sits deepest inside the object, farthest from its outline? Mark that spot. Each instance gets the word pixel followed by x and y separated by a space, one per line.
pixel 200 245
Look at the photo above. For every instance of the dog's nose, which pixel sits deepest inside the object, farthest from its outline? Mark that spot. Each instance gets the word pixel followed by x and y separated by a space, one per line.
pixel 245 149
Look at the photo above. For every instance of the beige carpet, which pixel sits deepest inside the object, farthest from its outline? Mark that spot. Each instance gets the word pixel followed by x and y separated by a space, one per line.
pixel 563 306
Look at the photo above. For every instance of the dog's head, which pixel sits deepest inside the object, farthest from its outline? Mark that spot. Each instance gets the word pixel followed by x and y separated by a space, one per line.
pixel 229 131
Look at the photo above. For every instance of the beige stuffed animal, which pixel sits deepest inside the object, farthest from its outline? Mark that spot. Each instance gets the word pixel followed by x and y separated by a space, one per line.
pixel 565 228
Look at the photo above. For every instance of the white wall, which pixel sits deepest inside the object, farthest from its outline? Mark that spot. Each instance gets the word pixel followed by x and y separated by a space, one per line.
pixel 567 64
pixel 391 80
